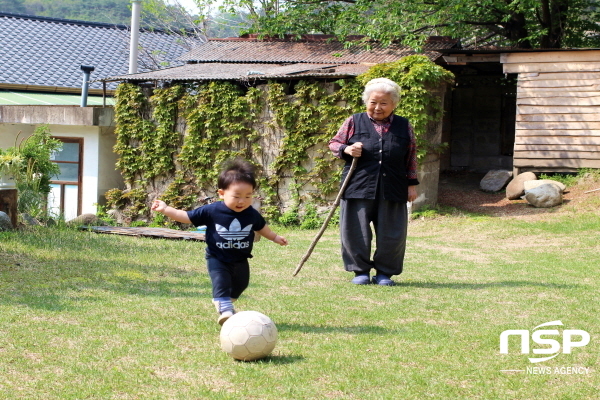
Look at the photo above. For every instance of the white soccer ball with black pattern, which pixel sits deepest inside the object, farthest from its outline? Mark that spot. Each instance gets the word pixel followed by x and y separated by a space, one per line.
pixel 248 336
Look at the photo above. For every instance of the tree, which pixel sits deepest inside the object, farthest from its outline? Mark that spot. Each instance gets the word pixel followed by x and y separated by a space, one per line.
pixel 222 25
pixel 518 23
pixel 12 6
pixel 173 18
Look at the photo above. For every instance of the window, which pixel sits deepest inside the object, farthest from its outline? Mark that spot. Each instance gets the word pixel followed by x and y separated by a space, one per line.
pixel 65 190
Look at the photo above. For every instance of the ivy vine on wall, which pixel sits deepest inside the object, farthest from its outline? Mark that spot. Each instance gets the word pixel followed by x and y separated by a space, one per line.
pixel 172 143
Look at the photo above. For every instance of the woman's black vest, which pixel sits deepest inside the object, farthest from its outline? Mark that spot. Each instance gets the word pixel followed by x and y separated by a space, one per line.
pixel 383 158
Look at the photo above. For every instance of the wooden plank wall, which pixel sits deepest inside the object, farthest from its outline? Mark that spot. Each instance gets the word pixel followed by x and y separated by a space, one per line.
pixel 558 110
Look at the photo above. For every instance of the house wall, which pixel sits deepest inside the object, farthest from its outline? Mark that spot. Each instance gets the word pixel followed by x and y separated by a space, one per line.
pixel 108 176
pixel 94 125
pixel 90 135
pixel 558 110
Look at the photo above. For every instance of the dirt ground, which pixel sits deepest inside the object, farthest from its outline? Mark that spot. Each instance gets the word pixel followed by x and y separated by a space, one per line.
pixel 461 190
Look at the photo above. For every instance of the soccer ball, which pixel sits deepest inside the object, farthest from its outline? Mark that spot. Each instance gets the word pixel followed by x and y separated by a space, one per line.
pixel 248 336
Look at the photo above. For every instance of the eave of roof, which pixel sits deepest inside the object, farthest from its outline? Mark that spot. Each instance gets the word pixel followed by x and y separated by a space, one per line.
pixel 499 50
pixel 244 72
pixel 52 89
pixel 38 98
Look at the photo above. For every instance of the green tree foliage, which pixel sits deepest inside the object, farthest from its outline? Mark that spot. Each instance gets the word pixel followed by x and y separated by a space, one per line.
pixel 524 23
pixel 13 6
pixel 158 14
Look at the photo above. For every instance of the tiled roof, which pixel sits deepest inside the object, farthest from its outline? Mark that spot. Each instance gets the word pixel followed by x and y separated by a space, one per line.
pixel 48 52
pixel 250 50
pixel 245 72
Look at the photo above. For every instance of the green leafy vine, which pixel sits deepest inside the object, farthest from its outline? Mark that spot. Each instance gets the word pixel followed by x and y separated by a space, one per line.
pixel 419 78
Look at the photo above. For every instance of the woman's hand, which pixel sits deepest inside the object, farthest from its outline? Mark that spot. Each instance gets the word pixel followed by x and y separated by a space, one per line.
pixel 412 193
pixel 355 150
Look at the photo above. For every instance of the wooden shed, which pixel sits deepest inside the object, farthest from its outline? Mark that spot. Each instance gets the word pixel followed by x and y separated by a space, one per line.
pixel 558 110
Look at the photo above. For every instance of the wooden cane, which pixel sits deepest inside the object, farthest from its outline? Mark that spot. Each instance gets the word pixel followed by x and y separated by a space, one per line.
pixel 326 222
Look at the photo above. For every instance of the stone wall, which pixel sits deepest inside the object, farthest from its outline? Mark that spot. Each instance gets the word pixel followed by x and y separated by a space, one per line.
pixel 271 137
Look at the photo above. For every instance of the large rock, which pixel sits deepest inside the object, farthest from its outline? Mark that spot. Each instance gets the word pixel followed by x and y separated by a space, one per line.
pixel 533 184
pixel 544 196
pixel 516 188
pixel 5 224
pixel 495 180
pixel 86 219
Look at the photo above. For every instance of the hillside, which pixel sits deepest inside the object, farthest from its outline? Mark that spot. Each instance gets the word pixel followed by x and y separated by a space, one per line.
pixel 107 11
pixel 118 12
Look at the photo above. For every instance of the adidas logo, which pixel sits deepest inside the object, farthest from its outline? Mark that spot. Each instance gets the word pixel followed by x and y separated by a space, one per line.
pixel 235 231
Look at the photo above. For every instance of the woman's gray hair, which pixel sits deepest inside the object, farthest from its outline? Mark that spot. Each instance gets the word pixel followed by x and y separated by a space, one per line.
pixel 384 85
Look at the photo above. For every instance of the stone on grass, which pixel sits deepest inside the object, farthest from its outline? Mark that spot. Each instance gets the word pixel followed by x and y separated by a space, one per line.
pixel 532 184
pixel 516 188
pixel 5 224
pixel 544 196
pixel 29 220
pixel 495 180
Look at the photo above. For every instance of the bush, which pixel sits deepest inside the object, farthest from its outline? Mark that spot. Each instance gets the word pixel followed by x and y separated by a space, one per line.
pixel 311 219
pixel 567 179
pixel 34 170
pixel 290 217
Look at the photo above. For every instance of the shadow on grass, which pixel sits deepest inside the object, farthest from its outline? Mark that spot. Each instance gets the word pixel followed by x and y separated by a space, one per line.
pixel 158 288
pixel 278 359
pixel 60 298
pixel 479 286
pixel 353 330
pixel 71 284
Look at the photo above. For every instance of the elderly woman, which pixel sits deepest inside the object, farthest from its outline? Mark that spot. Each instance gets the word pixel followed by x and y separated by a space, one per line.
pixel 384 181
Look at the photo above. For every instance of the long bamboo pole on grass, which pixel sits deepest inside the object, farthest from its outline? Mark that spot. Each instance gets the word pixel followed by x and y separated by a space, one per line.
pixel 326 222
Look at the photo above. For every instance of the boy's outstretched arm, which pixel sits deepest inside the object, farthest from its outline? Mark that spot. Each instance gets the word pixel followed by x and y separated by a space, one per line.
pixel 170 212
pixel 272 236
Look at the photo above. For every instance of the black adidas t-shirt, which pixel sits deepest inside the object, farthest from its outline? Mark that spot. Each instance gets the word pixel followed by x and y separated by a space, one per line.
pixel 229 234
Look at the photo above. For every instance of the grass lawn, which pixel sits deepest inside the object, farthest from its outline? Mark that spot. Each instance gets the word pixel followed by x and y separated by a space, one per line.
pixel 92 316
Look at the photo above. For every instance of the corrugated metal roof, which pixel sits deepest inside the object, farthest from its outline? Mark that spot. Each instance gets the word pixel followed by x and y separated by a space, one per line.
pixel 237 51
pixel 245 72
pixel 48 52
pixel 237 58
pixel 13 98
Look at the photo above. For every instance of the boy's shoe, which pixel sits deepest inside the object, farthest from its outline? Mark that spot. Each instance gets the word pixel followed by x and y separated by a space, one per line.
pixel 383 280
pixel 361 279
pixel 224 316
